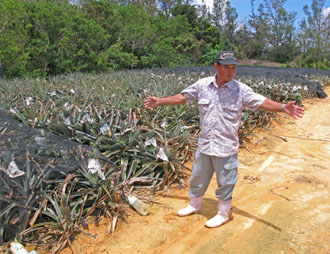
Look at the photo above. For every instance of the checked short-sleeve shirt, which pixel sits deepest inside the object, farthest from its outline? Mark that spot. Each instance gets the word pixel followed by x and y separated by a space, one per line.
pixel 220 112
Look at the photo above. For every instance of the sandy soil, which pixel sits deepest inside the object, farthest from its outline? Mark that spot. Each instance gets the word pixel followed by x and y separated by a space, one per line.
pixel 281 203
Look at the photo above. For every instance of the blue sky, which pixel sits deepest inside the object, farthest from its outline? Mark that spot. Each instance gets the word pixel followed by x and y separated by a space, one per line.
pixel 243 7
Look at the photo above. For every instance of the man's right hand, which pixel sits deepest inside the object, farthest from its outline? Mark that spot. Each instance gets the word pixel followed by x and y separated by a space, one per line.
pixel 151 102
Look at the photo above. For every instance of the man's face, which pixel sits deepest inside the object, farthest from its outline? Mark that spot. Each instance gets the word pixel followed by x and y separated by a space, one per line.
pixel 225 73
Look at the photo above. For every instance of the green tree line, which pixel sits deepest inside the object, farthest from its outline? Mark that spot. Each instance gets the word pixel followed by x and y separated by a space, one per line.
pixel 43 37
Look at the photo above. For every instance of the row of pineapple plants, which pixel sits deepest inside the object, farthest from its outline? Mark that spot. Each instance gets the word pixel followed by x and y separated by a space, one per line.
pixel 144 148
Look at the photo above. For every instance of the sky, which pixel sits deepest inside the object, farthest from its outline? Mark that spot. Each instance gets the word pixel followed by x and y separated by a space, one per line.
pixel 243 7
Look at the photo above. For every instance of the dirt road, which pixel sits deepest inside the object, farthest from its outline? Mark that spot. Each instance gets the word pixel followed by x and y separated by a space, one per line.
pixel 281 203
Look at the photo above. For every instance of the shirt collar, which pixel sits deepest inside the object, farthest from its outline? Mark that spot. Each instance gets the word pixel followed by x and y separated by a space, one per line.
pixel 230 84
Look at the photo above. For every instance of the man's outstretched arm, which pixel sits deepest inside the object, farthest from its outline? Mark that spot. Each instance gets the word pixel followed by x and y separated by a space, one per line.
pixel 152 102
pixel 290 108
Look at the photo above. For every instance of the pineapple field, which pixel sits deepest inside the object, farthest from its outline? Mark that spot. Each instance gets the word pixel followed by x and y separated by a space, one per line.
pixel 74 147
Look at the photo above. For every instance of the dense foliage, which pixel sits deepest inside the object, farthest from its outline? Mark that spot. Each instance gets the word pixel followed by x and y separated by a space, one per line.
pixel 44 37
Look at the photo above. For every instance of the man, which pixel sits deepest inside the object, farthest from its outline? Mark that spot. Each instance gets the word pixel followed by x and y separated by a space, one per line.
pixel 221 100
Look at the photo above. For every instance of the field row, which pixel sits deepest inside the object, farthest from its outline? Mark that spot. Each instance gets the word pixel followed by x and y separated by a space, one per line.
pixel 80 144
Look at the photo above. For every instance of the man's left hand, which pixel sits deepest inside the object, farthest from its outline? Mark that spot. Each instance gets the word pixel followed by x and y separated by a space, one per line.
pixel 293 110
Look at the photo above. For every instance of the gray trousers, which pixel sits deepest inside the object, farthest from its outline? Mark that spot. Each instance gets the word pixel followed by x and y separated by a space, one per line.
pixel 202 172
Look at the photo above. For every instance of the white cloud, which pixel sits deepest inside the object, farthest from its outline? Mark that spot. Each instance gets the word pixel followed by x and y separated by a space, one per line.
pixel 326 11
pixel 209 3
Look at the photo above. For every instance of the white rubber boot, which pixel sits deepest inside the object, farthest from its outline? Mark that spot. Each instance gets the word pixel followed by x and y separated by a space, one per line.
pixel 193 207
pixel 222 215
